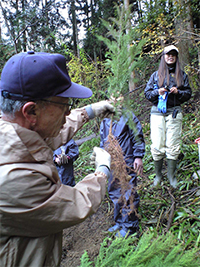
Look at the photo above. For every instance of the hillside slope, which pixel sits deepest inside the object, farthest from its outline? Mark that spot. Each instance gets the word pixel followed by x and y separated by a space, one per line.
pixel 157 206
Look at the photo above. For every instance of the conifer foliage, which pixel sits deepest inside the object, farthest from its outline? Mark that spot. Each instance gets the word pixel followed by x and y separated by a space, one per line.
pixel 122 59
pixel 124 49
pixel 152 250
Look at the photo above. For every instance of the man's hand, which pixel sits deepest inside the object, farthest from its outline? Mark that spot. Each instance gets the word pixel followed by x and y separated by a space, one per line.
pixel 197 141
pixel 138 166
pixel 100 108
pixel 100 157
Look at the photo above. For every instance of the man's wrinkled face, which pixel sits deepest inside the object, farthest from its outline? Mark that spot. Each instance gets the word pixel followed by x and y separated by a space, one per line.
pixel 51 116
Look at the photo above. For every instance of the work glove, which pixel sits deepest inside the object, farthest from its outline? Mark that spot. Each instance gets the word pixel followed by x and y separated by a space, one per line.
pixel 162 103
pixel 100 108
pixel 100 157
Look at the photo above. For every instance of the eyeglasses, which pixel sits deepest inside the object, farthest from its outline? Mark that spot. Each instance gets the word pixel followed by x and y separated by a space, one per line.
pixel 70 105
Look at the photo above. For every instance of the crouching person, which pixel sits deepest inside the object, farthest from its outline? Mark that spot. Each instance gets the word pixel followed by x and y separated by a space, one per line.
pixel 64 158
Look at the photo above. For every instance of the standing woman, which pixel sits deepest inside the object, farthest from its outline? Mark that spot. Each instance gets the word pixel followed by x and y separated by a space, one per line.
pixel 167 89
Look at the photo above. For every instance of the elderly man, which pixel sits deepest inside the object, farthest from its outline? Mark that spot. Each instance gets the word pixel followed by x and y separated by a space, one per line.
pixel 36 98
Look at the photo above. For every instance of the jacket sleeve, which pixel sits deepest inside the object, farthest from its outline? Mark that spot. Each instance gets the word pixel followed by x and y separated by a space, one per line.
pixel 71 149
pixel 184 92
pixel 150 93
pixel 137 138
pixel 33 206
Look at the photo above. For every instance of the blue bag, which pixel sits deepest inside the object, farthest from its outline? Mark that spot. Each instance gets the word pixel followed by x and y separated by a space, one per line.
pixel 162 100
pixel 162 103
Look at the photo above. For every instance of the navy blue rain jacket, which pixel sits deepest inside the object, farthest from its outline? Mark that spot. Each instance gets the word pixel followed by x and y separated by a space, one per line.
pixel 66 171
pixel 131 142
pixel 133 146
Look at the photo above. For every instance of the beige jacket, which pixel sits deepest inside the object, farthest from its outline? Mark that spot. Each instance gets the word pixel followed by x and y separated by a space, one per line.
pixel 34 206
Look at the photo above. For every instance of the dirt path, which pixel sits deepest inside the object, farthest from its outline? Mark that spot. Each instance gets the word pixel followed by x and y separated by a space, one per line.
pixel 86 236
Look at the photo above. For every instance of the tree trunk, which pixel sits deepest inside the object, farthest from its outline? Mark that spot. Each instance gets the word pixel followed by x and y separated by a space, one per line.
pixel 184 29
pixel 132 85
pixel 9 30
pixel 24 42
pixel 74 26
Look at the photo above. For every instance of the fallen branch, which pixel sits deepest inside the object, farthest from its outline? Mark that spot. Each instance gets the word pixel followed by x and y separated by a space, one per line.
pixel 172 209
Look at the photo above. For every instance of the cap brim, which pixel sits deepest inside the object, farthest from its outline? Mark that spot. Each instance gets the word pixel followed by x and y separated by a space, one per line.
pixel 171 50
pixel 76 91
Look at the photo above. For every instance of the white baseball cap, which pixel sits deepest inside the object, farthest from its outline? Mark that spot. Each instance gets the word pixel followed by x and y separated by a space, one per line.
pixel 169 48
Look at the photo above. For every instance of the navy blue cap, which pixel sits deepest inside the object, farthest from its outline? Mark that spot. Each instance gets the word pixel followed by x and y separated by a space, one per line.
pixel 37 75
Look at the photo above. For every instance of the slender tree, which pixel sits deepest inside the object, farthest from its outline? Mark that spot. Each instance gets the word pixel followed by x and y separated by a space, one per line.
pixel 34 24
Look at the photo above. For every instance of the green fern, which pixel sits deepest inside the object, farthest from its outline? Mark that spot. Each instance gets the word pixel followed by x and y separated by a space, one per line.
pixel 85 260
pixel 151 251
pixel 114 254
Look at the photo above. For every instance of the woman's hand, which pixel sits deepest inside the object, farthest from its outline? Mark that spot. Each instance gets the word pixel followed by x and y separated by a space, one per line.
pixel 162 91
pixel 174 90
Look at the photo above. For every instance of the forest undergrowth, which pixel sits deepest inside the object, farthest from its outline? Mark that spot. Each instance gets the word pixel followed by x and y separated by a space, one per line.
pixel 165 213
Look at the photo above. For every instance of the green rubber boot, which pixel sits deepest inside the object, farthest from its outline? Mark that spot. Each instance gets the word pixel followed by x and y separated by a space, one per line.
pixel 158 170
pixel 171 168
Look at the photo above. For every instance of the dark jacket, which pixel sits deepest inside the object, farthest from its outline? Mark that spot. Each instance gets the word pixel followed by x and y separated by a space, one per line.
pixel 133 146
pixel 184 92
pixel 66 171
pixel 131 142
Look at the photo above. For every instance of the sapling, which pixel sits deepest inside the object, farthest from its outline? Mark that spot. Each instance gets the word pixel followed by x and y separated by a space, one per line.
pixel 123 57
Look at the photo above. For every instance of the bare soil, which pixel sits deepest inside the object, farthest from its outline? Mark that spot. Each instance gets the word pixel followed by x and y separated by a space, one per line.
pixel 87 236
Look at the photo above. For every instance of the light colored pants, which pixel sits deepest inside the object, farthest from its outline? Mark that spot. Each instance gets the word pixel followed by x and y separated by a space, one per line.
pixel 165 136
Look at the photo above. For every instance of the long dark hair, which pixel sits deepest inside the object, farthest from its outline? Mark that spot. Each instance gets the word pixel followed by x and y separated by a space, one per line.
pixel 163 72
